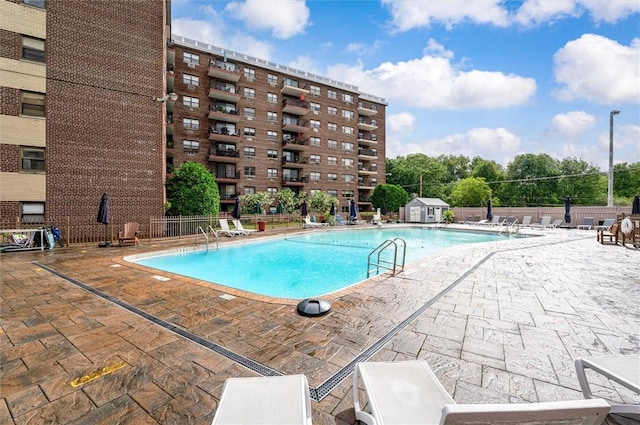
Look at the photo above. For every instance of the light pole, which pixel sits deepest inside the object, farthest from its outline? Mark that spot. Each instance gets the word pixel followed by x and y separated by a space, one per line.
pixel 610 188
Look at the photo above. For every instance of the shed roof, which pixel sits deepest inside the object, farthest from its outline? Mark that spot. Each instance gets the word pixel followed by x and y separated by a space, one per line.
pixel 431 202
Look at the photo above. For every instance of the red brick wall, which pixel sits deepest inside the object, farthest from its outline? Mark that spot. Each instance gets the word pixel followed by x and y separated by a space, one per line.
pixel 104 130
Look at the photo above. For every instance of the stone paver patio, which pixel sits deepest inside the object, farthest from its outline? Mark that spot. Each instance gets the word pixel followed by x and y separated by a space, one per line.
pixel 498 322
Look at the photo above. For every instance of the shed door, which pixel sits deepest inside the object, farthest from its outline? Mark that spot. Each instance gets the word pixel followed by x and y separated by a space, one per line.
pixel 414 214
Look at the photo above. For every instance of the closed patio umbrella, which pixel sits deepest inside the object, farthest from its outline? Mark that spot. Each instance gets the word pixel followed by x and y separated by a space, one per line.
pixel 567 209
pixel 236 213
pixel 635 209
pixel 489 214
pixel 332 210
pixel 103 218
pixel 383 210
pixel 304 210
pixel 258 208
pixel 279 208
pixel 353 210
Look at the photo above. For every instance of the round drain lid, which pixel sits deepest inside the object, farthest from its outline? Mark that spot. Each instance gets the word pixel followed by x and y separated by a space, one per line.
pixel 311 307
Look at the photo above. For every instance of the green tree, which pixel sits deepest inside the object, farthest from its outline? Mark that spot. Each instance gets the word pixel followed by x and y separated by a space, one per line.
pixel 389 196
pixel 321 202
pixel 471 192
pixel 626 179
pixel 532 180
pixel 287 198
pixel 418 171
pixel 192 190
pixel 250 202
pixel 581 181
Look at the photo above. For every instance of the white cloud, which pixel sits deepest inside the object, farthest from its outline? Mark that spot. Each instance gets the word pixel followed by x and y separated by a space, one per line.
pixel 599 70
pixel 437 49
pixel 572 123
pixel 400 123
pixel 539 11
pixel 284 18
pixel 611 11
pixel 433 82
pixel 412 14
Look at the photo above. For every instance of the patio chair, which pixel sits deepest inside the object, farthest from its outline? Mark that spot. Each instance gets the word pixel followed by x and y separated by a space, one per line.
pixel 238 226
pixel 264 400
pixel 555 224
pixel 612 234
pixel 606 224
pixel 129 234
pixel 309 223
pixel 226 230
pixel 623 370
pixel 408 392
pixel 526 221
pixel 544 223
pixel 587 224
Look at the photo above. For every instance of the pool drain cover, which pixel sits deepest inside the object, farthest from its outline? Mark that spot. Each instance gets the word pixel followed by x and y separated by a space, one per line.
pixel 312 308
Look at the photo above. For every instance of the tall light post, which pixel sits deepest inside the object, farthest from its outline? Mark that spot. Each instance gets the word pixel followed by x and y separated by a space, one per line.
pixel 610 188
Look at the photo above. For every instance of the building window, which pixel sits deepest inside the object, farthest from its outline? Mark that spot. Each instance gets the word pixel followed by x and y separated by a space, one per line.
pixel 347 97
pixel 291 82
pixel 314 123
pixel 347 114
pixel 272 191
pixel 191 124
pixel 272 98
pixel 348 178
pixel 315 90
pixel 249 131
pixel 249 190
pixel 332 126
pixel 249 171
pixel 332 176
pixel 35 3
pixel 272 136
pixel 272 116
pixel 332 94
pixel 314 176
pixel 272 153
pixel 191 58
pixel 33 104
pixel 347 146
pixel 32 212
pixel 314 141
pixel 347 193
pixel 333 193
pixel 332 160
pixel 249 151
pixel 332 110
pixel 347 130
pixel 191 146
pixel 272 172
pixel 314 159
pixel 249 74
pixel 249 93
pixel 315 107
pixel 190 102
pixel 33 48
pixel 249 112
pixel 32 159
pixel 191 80
pixel 347 162
pixel 332 144
pixel 272 79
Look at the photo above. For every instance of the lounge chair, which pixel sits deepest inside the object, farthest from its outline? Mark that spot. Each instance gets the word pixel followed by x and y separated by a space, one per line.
pixel 264 400
pixel 309 223
pixel 526 221
pixel 495 221
pixel 555 224
pixel 468 220
pixel 544 223
pixel 340 221
pixel 587 224
pixel 226 230
pixel 606 224
pixel 129 234
pixel 20 240
pixel 624 370
pixel 408 392
pixel 612 234
pixel 238 226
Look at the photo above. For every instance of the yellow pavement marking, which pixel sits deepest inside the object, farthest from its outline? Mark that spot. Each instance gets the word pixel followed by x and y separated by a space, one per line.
pixel 97 374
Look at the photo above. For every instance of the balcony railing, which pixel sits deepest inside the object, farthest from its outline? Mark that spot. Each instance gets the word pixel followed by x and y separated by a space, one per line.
pixel 368 152
pixel 294 106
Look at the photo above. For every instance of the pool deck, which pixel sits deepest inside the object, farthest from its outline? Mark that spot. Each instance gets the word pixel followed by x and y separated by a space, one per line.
pixel 88 338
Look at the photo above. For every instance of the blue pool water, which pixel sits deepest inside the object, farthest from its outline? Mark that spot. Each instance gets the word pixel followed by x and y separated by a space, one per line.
pixel 306 265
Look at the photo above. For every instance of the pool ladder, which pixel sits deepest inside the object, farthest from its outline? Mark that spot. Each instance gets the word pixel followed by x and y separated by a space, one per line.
pixel 380 263
pixel 206 235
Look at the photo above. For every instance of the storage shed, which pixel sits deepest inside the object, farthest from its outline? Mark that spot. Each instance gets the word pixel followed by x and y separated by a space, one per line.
pixel 425 210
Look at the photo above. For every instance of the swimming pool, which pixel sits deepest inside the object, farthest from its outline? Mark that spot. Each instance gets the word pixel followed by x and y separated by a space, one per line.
pixel 305 265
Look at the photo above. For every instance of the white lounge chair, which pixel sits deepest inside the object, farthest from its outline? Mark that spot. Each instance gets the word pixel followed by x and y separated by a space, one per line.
pixel 226 230
pixel 309 223
pixel 555 224
pixel 238 226
pixel 624 370
pixel 606 224
pixel 526 221
pixel 408 392
pixel 544 223
pixel 279 400
pixel 587 224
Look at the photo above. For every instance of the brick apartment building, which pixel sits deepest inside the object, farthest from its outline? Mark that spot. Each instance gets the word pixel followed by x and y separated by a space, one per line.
pixel 260 126
pixel 79 116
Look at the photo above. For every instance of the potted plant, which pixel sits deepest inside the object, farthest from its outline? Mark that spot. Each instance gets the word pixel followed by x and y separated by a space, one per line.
pixel 448 216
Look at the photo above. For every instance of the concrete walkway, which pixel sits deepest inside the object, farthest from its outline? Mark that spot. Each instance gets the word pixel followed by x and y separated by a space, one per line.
pixel 88 338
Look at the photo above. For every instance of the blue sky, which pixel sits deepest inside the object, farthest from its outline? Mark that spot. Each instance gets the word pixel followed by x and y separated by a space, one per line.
pixel 462 77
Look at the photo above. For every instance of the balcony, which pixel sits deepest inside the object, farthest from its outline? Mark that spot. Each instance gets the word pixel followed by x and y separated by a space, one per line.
pixel 223 136
pixel 229 177
pixel 219 113
pixel 294 180
pixel 224 71
pixel 225 93
pixel 366 110
pixel 367 139
pixel 295 126
pixel 362 170
pixel 170 77
pixel 294 106
pixel 170 125
pixel 294 143
pixel 294 162
pixel 367 154
pixel 366 184
pixel 367 124
pixel 292 87
pixel 219 155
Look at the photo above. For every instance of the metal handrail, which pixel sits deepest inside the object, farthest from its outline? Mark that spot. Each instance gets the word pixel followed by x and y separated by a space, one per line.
pixel 384 264
pixel 215 234
pixel 206 238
